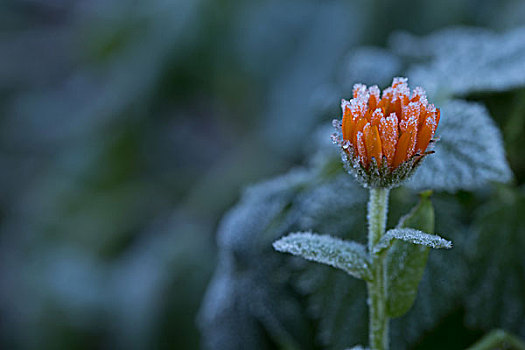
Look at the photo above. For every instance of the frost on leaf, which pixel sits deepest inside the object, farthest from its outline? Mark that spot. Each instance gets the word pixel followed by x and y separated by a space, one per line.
pixel 411 236
pixel 244 297
pixel 469 153
pixel 466 60
pixel 350 257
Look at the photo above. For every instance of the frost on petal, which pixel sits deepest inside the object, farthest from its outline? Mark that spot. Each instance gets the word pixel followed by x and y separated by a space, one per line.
pixel 419 94
pixel 344 105
pixel 410 116
pixel 469 153
pixel 359 90
pixel 374 91
pixel 400 88
pixel 359 104
pixel 361 148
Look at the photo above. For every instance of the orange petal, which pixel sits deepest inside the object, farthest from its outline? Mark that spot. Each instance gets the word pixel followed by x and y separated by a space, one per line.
pixel 376 116
pixel 423 138
pixel 402 149
pixel 374 97
pixel 410 116
pixel 373 143
pixel 361 148
pixel 382 103
pixel 426 132
pixel 412 144
pixel 422 114
pixel 359 125
pixel 368 115
pixel 395 107
pixel 348 123
pixel 372 102
pixel 388 132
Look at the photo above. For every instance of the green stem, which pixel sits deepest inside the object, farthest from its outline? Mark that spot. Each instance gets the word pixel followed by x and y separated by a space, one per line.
pixel 377 288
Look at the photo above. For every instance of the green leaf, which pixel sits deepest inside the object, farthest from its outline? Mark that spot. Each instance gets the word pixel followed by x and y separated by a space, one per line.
pixel 413 236
pixel 406 261
pixel 350 257
pixel 444 281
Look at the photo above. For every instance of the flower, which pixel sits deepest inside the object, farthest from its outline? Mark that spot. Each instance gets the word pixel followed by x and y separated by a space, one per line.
pixel 383 139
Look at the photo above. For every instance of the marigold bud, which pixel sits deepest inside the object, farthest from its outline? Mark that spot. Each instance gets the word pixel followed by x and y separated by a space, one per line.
pixel 383 139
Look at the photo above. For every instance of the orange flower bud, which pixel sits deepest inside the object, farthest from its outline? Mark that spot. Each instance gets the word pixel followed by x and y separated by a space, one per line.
pixel 395 129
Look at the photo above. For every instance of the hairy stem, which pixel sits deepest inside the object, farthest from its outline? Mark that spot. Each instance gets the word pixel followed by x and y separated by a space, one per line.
pixel 377 288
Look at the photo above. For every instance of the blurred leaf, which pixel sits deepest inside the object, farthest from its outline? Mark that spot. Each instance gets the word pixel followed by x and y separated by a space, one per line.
pixel 497 294
pixel 469 153
pixel 465 60
pixel 348 256
pixel 245 298
pixel 406 261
